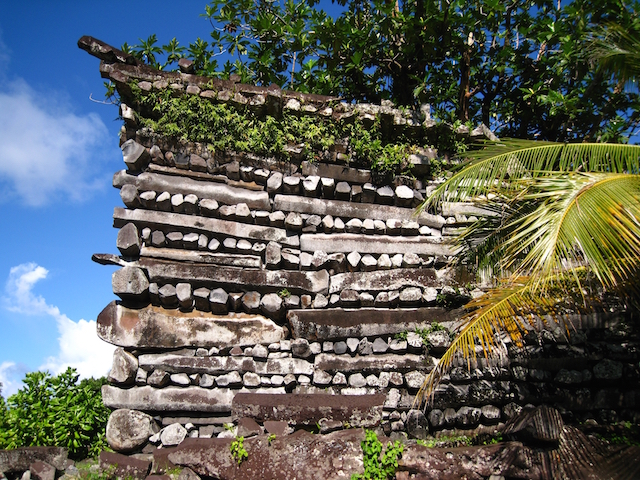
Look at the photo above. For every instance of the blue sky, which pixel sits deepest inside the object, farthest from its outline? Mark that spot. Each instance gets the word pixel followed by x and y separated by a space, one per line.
pixel 58 152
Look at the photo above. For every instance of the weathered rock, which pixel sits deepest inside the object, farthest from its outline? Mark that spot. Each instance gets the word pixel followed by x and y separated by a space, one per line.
pixel 131 284
pixel 251 302
pixel 349 242
pixel 135 156
pixel 128 241
pixel 180 379
pixel 346 209
pixel 231 379
pixel 300 348
pixel 172 435
pixel 336 323
pixel 129 196
pixel 42 471
pixel 385 280
pixel 158 378
pixel 607 370
pixel 272 306
pixel 307 409
pixel 122 466
pixel 467 417
pixel 184 293
pixel 168 296
pixel 369 363
pixel 225 194
pixel 168 399
pixel 128 430
pixel 261 280
pixel 19 459
pixel 226 259
pixel 218 300
pixel 154 327
pixel 417 424
pixel 124 368
pixel 274 183
pixel 404 196
pixel 303 456
pixel 194 223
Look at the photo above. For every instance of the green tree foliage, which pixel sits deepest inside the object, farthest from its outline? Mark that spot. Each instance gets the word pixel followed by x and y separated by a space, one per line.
pixel 55 411
pixel 564 234
pixel 521 67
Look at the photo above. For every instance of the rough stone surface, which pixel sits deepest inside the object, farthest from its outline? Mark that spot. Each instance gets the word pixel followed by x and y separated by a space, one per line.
pixel 261 280
pixel 303 456
pixel 19 459
pixel 350 242
pixel 124 368
pixel 153 219
pixel 154 327
pixel 128 430
pixel 307 409
pixel 168 399
pixel 42 471
pixel 338 323
pixel 130 283
pixel 173 435
pixel 122 466
pixel 346 209
pixel 128 240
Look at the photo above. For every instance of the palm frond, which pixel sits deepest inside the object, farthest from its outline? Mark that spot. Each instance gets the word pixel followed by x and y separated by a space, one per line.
pixel 617 51
pixel 600 157
pixel 591 219
pixel 496 168
pixel 503 166
pixel 506 309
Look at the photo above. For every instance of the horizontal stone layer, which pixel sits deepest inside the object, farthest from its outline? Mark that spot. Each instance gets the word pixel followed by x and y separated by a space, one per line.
pixel 155 327
pixel 258 200
pixel 344 209
pixel 308 409
pixel 173 171
pixel 336 172
pixel 370 363
pixel 194 223
pixel 303 456
pixel 242 261
pixel 385 280
pixel 161 272
pixel 450 209
pixel 20 459
pixel 352 242
pixel 338 323
pixel 169 399
pixel 219 365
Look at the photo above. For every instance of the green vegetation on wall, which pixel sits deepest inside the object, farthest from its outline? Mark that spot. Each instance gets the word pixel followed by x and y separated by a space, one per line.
pixel 225 127
pixel 56 411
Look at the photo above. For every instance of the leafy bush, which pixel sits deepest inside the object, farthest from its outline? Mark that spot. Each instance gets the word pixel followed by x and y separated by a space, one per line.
pixel 378 465
pixel 55 411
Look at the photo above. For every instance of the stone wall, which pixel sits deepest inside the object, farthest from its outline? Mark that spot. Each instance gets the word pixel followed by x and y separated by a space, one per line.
pixel 292 294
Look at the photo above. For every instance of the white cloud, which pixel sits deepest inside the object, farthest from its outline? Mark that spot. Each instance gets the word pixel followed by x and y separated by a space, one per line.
pixel 11 375
pixel 79 345
pixel 19 286
pixel 46 150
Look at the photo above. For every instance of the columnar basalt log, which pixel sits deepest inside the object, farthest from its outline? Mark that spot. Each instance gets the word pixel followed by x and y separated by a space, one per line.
pixel 301 287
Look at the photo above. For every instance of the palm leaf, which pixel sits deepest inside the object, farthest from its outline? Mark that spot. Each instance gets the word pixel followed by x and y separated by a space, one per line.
pixel 503 166
pixel 488 169
pixel 617 51
pixel 506 309
pixel 591 219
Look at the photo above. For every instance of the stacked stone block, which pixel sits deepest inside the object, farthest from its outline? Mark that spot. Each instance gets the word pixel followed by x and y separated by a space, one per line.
pixel 296 292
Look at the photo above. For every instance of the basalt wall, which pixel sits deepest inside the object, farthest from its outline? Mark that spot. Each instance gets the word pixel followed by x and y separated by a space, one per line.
pixel 283 293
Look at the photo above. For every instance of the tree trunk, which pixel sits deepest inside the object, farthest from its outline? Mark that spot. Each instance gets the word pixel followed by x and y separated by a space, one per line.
pixel 465 80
